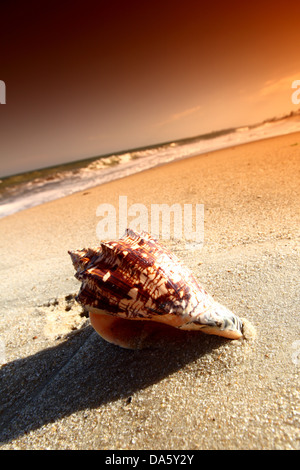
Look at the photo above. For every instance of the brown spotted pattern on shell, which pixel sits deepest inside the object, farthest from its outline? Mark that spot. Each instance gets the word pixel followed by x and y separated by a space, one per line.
pixel 135 278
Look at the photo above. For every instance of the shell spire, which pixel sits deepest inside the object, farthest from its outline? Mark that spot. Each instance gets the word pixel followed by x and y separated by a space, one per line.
pixel 135 278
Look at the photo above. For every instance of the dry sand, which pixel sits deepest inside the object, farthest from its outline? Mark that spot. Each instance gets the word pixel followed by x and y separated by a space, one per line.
pixel 63 387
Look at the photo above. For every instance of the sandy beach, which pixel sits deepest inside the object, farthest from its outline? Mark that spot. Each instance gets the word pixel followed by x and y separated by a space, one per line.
pixel 64 387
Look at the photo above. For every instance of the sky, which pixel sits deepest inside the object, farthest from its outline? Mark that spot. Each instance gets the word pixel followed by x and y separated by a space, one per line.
pixel 88 78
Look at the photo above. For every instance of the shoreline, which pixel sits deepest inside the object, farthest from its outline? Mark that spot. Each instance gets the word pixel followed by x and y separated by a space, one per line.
pixel 60 377
pixel 123 170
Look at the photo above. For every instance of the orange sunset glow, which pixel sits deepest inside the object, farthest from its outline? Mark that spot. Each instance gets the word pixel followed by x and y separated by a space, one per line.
pixel 91 78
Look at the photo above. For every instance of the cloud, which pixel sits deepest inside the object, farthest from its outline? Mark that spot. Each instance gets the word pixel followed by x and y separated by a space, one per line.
pixel 275 86
pixel 178 116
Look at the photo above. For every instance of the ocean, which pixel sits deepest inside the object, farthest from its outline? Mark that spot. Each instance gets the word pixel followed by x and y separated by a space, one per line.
pixel 22 191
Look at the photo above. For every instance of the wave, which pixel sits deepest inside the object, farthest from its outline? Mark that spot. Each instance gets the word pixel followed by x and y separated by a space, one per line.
pixel 33 188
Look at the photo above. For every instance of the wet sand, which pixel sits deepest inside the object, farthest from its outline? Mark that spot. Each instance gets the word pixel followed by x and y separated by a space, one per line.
pixel 63 387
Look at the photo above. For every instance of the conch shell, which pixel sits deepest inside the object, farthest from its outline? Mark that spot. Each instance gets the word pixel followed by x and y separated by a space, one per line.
pixel 135 278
